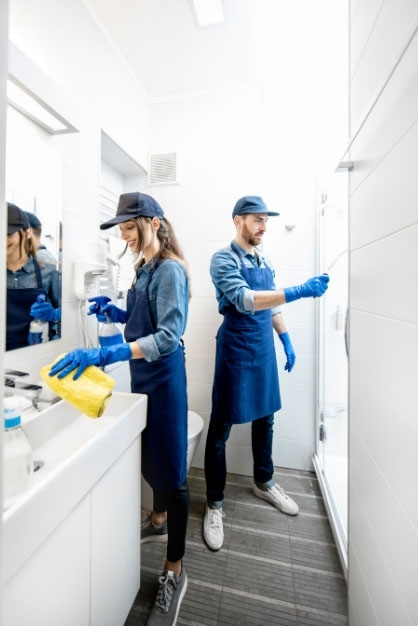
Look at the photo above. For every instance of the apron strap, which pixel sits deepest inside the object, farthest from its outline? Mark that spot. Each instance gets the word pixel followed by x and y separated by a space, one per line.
pixel 37 272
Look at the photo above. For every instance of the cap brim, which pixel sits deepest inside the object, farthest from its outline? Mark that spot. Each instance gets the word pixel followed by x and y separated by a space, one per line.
pixel 13 229
pixel 272 213
pixel 117 220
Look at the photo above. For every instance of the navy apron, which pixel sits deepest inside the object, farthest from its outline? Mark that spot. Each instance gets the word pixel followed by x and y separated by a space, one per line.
pixel 164 440
pixel 18 319
pixel 246 383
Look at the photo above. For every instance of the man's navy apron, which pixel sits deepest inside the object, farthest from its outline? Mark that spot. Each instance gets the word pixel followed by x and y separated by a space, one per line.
pixel 19 302
pixel 246 384
pixel 164 440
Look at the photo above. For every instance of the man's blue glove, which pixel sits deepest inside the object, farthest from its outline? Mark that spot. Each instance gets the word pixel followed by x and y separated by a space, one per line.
pixel 288 349
pixel 103 310
pixel 45 311
pixel 315 286
pixel 83 357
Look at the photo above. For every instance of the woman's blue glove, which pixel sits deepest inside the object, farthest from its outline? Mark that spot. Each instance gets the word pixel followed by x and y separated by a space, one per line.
pixel 45 311
pixel 83 357
pixel 288 349
pixel 313 287
pixel 103 310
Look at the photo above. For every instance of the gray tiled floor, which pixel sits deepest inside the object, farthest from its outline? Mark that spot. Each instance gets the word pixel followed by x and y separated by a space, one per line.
pixel 273 569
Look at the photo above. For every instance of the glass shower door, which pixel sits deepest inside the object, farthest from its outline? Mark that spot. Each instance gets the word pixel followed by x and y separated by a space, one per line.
pixel 331 460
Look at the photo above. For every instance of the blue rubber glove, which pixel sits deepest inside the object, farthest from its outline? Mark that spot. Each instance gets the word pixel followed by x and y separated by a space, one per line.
pixel 104 311
pixel 83 357
pixel 96 308
pixel 114 313
pixel 289 352
pixel 45 311
pixel 315 286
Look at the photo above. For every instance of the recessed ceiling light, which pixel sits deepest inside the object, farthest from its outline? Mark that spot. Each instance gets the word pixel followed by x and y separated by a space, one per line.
pixel 208 12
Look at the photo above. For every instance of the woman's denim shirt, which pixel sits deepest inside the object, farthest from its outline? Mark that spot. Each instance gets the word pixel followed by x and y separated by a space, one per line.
pixel 25 278
pixel 168 295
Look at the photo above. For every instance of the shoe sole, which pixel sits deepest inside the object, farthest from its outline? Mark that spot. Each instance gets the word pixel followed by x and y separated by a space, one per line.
pixel 155 538
pixel 183 591
pixel 260 495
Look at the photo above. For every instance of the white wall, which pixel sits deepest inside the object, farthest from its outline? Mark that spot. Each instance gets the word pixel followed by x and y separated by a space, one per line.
pixel 383 524
pixel 65 42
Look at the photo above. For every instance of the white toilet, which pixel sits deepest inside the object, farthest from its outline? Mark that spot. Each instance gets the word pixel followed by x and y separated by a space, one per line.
pixel 194 432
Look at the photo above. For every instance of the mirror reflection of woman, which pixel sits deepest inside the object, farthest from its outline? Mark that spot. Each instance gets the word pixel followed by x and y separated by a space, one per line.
pixel 155 320
pixel 27 278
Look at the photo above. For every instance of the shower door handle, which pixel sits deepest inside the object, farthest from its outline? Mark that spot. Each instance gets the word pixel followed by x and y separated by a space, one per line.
pixel 346 331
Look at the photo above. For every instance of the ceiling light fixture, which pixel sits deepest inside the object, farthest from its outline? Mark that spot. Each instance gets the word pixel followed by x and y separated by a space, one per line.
pixel 27 104
pixel 208 12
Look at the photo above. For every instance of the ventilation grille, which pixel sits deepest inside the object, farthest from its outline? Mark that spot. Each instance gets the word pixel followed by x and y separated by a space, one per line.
pixel 163 169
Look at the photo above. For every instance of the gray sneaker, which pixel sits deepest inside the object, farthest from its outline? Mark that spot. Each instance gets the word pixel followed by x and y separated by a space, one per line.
pixel 170 594
pixel 151 532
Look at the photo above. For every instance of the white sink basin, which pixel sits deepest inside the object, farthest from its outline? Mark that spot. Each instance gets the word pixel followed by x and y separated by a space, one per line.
pixel 76 451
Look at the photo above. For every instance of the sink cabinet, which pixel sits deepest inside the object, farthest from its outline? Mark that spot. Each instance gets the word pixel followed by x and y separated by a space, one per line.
pixel 79 564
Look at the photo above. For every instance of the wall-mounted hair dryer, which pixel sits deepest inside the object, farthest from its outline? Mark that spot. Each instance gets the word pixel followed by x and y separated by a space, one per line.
pixel 93 264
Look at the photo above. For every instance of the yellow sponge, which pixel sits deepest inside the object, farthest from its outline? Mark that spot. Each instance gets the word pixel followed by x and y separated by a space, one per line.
pixel 89 393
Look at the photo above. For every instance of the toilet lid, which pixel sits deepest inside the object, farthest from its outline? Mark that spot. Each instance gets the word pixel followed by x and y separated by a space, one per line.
pixel 195 424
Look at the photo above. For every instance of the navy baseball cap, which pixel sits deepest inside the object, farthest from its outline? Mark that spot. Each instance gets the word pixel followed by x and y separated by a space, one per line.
pixel 16 219
pixel 33 220
pixel 132 205
pixel 251 204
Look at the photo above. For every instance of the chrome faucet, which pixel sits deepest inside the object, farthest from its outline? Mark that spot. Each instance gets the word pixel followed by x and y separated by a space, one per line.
pixel 26 390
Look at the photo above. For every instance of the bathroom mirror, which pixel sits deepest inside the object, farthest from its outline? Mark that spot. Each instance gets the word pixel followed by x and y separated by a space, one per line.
pixel 34 184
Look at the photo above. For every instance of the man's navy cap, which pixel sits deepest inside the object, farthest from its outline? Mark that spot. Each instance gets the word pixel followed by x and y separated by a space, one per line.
pixel 33 220
pixel 251 204
pixel 132 205
pixel 16 219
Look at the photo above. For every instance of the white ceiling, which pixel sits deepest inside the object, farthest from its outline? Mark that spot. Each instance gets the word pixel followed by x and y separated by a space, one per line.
pixel 171 56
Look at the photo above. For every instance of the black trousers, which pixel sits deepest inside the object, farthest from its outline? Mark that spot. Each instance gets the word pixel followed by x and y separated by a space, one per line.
pixel 176 503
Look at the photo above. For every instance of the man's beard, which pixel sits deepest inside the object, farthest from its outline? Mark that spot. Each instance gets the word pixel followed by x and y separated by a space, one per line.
pixel 248 237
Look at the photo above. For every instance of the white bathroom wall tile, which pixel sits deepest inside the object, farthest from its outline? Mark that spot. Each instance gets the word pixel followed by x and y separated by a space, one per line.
pixel 199 397
pixel 377 422
pixel 200 368
pixel 297 398
pixel 202 286
pixel 295 426
pixel 392 184
pixel 199 340
pixel 203 311
pixel 303 340
pixel 380 272
pixel 241 434
pixel 303 372
pixel 392 116
pixel 364 21
pixel 78 233
pixel 300 313
pixel 80 153
pixel 372 499
pixel 199 253
pixel 81 197
pixel 384 352
pixel 293 454
pixel 67 282
pixel 383 42
pixel 239 459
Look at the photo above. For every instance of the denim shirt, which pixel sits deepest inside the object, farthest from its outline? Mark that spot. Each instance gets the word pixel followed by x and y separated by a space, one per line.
pixel 231 288
pixel 25 278
pixel 168 295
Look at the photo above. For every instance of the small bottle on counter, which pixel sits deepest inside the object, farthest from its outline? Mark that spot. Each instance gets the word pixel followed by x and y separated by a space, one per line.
pixel 17 453
pixel 38 329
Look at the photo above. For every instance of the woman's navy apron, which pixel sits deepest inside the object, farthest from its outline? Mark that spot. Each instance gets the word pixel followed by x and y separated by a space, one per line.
pixel 246 384
pixel 164 440
pixel 19 302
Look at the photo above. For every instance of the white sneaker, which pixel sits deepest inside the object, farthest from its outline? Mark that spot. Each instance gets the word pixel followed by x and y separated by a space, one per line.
pixel 278 498
pixel 213 528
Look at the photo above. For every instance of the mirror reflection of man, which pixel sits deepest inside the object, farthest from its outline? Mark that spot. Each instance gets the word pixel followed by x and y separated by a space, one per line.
pixel 42 252
pixel 27 279
pixel 246 383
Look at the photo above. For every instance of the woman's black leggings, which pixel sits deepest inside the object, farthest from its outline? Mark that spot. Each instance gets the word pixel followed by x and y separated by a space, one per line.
pixel 176 503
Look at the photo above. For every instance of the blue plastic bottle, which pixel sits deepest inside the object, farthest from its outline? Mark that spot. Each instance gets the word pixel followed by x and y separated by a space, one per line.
pixel 38 329
pixel 109 333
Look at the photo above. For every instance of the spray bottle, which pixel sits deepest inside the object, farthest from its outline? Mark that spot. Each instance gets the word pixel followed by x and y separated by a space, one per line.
pixel 38 329
pixel 109 333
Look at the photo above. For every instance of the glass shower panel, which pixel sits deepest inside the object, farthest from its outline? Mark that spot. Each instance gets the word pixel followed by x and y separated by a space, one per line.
pixel 332 455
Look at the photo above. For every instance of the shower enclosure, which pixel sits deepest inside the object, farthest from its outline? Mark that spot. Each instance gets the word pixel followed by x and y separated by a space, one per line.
pixel 331 458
